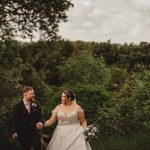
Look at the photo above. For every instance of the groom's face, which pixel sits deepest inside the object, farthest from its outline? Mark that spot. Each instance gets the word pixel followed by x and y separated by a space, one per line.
pixel 29 95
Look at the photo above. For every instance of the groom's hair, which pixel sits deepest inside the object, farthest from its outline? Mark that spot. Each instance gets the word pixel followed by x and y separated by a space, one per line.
pixel 26 89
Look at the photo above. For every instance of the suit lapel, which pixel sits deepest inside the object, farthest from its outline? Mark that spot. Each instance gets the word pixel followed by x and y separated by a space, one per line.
pixel 24 110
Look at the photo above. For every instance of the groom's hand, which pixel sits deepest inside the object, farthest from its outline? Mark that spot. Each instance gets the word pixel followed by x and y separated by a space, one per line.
pixel 15 135
pixel 39 125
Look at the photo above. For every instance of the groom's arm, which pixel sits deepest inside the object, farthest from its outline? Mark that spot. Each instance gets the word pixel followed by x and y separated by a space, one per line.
pixel 15 121
pixel 40 121
pixel 39 116
pixel 15 118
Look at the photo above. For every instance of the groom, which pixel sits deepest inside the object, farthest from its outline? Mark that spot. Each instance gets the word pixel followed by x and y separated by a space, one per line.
pixel 26 116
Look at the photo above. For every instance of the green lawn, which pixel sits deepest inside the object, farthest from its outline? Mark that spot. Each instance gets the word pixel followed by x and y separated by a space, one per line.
pixel 140 142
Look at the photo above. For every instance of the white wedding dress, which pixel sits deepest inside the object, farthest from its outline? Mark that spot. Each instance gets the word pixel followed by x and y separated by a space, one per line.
pixel 68 134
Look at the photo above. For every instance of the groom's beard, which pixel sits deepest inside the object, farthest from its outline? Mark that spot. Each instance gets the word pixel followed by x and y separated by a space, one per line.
pixel 32 99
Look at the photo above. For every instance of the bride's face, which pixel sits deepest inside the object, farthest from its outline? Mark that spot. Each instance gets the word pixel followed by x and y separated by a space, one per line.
pixel 64 98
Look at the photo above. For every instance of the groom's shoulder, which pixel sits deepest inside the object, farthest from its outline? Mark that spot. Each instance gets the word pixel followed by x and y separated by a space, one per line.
pixel 18 104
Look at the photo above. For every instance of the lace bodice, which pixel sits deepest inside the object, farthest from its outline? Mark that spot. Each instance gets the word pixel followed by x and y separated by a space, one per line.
pixel 69 133
pixel 70 118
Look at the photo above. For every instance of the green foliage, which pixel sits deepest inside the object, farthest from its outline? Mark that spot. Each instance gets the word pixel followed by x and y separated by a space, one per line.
pixel 10 76
pixel 10 70
pixel 85 69
pixel 127 113
pixel 137 142
pixel 118 76
pixel 90 95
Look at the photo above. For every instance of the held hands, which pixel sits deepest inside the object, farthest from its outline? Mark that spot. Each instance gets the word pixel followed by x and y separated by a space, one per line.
pixel 39 125
pixel 15 136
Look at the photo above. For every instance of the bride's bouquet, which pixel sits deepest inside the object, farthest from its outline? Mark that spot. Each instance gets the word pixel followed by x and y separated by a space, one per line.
pixel 90 132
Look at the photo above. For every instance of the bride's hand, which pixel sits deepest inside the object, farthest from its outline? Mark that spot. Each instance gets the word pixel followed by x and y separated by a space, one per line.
pixel 15 136
pixel 39 125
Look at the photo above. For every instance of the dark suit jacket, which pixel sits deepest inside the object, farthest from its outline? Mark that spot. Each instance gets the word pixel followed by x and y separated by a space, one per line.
pixel 23 122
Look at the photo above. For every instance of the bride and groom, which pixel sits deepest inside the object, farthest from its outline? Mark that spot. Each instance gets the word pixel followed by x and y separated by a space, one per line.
pixel 68 134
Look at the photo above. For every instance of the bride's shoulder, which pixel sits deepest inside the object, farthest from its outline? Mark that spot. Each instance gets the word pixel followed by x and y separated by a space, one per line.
pixel 57 107
pixel 78 107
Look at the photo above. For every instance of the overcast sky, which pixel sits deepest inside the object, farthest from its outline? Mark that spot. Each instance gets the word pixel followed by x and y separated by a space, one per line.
pixel 100 20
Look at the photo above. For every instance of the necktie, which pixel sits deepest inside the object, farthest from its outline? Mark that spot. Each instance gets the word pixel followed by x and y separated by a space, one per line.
pixel 28 107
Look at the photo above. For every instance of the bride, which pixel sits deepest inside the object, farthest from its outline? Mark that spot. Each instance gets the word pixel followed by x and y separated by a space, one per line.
pixel 68 134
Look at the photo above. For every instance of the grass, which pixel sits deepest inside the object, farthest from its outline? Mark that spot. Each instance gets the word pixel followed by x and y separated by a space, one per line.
pixel 138 142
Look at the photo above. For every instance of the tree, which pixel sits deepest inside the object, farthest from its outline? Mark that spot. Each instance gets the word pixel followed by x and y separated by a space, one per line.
pixel 10 75
pixel 85 69
pixel 24 17
pixel 128 111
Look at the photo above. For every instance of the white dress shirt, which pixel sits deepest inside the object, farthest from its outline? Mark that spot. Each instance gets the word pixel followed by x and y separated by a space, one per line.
pixel 27 105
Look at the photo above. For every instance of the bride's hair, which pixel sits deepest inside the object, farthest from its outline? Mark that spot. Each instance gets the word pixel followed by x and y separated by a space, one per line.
pixel 70 94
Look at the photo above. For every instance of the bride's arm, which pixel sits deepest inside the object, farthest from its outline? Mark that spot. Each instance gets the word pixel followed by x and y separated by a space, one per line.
pixel 82 118
pixel 51 120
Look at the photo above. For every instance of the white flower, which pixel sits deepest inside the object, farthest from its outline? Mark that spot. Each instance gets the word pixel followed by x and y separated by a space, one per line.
pixel 95 129
pixel 86 129
pixel 34 104
pixel 90 132
pixel 93 134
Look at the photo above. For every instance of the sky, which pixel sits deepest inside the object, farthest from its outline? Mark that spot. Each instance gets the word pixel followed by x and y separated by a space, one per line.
pixel 121 21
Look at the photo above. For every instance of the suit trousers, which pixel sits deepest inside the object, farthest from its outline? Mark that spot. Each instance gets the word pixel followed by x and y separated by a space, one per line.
pixel 33 139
